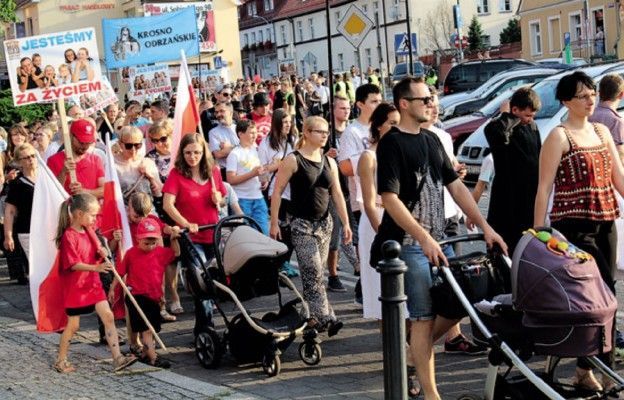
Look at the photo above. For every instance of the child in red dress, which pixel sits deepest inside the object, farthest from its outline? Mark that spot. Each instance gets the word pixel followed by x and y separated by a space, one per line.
pixel 144 267
pixel 81 262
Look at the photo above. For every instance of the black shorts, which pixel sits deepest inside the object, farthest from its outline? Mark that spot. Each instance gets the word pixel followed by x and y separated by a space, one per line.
pixel 151 309
pixel 74 312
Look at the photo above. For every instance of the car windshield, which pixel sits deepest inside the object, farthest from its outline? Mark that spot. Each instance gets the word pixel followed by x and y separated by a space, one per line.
pixel 546 92
pixel 401 69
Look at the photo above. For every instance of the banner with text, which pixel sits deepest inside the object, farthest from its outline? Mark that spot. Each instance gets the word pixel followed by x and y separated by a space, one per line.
pixel 149 80
pixel 146 40
pixel 47 67
pixel 204 16
pixel 94 101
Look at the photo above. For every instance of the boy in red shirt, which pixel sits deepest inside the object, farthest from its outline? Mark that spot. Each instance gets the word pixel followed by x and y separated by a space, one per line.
pixel 144 268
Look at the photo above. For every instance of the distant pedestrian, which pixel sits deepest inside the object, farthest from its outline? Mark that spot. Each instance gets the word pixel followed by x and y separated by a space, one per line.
pixel 81 262
pixel 611 93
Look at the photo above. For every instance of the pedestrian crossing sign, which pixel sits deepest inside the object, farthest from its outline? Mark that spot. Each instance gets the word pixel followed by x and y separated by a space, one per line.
pixel 402 45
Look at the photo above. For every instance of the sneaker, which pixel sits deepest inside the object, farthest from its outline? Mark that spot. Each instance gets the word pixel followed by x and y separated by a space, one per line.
pixel 461 345
pixel 333 327
pixel 334 284
pixel 288 270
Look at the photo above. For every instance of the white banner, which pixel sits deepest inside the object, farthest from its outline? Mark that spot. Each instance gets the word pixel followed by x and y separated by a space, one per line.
pixel 152 79
pixel 47 67
pixel 95 101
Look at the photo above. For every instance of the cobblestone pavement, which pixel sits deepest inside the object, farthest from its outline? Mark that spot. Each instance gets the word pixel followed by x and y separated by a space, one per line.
pixel 351 367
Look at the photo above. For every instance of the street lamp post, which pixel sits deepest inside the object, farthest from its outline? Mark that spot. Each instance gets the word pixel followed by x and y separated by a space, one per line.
pixel 274 40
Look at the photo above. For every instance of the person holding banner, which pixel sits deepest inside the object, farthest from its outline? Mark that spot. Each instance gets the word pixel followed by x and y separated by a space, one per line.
pixel 81 263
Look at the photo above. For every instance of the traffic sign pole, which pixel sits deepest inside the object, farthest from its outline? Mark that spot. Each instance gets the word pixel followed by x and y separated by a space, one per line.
pixel 410 58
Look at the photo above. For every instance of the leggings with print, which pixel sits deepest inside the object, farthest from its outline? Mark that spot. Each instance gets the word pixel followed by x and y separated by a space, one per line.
pixel 311 242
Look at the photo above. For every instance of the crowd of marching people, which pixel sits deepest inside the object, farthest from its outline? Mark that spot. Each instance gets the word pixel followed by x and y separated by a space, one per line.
pixel 267 150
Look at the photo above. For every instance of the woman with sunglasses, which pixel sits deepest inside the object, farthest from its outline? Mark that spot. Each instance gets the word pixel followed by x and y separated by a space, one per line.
pixel 18 204
pixel 136 173
pixel 581 161
pixel 313 178
pixel 159 135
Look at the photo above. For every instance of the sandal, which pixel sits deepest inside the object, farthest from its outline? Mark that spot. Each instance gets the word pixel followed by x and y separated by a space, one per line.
pixel 166 317
pixel 175 308
pixel 136 350
pixel 413 386
pixel 122 362
pixel 63 366
pixel 587 381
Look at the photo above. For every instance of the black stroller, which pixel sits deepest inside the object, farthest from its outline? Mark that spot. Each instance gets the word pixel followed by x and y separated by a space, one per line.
pixel 575 319
pixel 246 265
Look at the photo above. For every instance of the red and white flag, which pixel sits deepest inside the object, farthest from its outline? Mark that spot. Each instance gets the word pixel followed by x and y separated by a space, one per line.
pixel 186 115
pixel 114 217
pixel 46 286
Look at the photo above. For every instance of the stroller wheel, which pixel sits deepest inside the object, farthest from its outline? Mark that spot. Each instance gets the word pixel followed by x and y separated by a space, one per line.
pixel 310 353
pixel 469 397
pixel 271 365
pixel 208 348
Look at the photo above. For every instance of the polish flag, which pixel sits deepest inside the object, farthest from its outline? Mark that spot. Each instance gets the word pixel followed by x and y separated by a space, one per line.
pixel 115 217
pixel 46 286
pixel 186 115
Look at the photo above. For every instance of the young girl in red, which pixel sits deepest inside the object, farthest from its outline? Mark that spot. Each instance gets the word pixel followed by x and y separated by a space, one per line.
pixel 81 262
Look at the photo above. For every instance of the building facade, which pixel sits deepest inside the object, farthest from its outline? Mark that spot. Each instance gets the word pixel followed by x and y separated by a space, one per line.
pixel 593 28
pixel 299 31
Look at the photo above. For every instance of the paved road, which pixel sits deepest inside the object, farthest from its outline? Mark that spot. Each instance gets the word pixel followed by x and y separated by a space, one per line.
pixel 351 367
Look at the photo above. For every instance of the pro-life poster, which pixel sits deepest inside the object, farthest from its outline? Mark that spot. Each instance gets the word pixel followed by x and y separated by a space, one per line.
pixel 47 67
pixel 149 80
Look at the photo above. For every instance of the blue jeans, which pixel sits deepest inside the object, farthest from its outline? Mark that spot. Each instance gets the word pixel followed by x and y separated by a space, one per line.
pixel 256 209
pixel 418 281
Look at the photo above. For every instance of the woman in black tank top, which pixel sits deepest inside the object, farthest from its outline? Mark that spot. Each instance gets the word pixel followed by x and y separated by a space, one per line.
pixel 313 178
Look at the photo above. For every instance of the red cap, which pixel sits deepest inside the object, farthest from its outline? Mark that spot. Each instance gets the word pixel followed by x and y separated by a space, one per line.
pixel 148 229
pixel 83 130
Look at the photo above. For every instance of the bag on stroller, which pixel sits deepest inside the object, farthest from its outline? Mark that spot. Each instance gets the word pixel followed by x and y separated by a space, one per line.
pixel 565 302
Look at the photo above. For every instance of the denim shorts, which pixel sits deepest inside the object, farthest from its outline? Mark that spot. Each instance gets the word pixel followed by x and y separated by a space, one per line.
pixel 418 281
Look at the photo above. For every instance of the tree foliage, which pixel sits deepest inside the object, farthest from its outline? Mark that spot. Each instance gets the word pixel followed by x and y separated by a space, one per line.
pixel 9 114
pixel 438 26
pixel 511 33
pixel 475 34
pixel 7 11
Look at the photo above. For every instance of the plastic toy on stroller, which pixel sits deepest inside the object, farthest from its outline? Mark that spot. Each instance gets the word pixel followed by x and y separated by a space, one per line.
pixel 551 302
pixel 245 266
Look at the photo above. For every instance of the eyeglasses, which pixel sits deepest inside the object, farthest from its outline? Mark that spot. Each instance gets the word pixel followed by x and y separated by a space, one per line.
pixel 319 131
pixel 425 100
pixel 28 157
pixel 586 97
pixel 226 94
pixel 162 139
pixel 129 146
pixel 193 153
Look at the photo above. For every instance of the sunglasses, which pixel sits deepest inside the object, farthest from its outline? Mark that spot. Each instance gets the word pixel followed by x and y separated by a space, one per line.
pixel 129 146
pixel 28 157
pixel 193 153
pixel 226 94
pixel 425 100
pixel 162 140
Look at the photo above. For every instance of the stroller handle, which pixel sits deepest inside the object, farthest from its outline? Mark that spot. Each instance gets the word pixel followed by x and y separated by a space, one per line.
pixel 232 221
pixel 462 238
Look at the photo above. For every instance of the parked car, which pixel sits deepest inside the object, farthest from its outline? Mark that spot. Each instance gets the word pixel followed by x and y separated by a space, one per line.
pixel 400 71
pixel 459 104
pixel 551 114
pixel 461 127
pixel 471 74
pixel 556 62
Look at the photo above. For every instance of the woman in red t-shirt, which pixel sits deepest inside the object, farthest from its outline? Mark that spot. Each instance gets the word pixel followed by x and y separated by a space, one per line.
pixel 194 191
pixel 80 265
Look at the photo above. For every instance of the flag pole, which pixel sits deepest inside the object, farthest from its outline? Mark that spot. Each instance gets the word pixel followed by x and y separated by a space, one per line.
pixel 69 154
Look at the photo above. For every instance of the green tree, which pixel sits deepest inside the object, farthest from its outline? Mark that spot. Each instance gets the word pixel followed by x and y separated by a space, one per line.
pixel 7 11
pixel 475 34
pixel 511 33
pixel 9 114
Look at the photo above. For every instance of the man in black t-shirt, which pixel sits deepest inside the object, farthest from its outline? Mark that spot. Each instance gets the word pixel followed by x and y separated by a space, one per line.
pixel 27 77
pixel 412 168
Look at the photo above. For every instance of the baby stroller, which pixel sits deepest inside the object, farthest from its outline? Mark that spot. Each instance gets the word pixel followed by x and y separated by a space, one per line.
pixel 559 307
pixel 245 266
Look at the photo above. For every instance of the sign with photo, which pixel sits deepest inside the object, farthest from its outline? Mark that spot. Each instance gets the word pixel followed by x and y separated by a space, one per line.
pixel 150 79
pixel 48 67
pixel 204 16
pixel 146 40
pixel 92 102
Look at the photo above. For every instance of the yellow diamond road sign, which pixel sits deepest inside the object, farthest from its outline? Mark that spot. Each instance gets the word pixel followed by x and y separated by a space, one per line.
pixel 355 25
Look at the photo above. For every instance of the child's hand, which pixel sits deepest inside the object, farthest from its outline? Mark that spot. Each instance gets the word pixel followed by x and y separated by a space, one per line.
pixel 104 267
pixel 117 235
pixel 175 233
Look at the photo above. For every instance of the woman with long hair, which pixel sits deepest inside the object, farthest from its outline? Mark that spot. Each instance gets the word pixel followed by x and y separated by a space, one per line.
pixel 579 159
pixel 313 178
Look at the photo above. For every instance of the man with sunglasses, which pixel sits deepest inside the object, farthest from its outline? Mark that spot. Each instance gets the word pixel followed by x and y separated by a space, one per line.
pixel 412 172
pixel 87 165
pixel 514 140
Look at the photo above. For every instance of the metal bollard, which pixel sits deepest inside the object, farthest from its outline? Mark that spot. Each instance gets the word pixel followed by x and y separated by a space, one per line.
pixel 392 298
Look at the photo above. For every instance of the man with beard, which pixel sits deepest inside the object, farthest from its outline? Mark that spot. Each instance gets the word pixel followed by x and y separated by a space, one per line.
pixel 223 137
pixel 88 166
pixel 223 94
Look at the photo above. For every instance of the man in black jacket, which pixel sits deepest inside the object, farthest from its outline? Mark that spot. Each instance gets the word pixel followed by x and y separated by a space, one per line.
pixel 515 143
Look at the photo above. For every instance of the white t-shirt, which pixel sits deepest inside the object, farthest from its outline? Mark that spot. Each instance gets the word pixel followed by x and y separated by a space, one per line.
pixel 353 142
pixel 129 175
pixel 221 133
pixel 450 208
pixel 230 198
pixel 242 160
pixel 487 170
pixel 267 156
